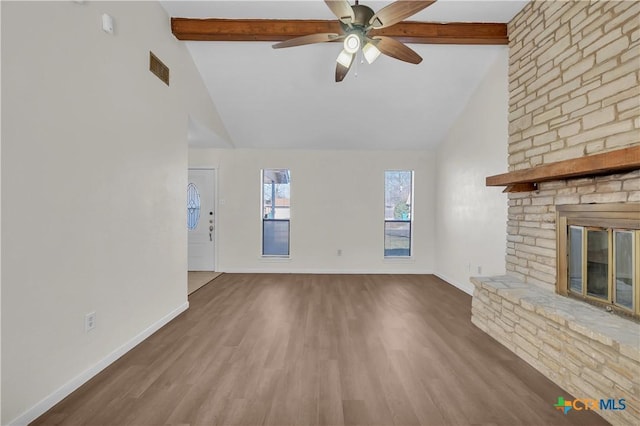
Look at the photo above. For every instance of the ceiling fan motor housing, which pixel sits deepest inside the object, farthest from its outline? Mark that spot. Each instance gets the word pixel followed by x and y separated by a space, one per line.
pixel 361 17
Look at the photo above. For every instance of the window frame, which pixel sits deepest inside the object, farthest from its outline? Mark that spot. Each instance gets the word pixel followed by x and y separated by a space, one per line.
pixel 409 221
pixel 609 217
pixel 263 219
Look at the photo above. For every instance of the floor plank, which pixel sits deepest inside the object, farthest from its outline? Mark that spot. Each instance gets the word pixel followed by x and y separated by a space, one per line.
pixel 293 349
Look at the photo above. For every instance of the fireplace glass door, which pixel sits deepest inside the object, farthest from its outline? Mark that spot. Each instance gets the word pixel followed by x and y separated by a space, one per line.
pixel 602 265
pixel 623 250
pixel 598 263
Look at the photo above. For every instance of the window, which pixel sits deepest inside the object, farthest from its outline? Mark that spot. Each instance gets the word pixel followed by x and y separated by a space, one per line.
pixel 598 258
pixel 193 206
pixel 398 213
pixel 276 204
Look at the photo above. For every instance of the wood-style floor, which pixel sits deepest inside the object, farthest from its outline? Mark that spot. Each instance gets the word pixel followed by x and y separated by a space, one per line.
pixel 197 279
pixel 287 349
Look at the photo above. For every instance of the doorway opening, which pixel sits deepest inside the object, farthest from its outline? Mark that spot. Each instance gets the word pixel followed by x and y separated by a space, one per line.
pixel 201 227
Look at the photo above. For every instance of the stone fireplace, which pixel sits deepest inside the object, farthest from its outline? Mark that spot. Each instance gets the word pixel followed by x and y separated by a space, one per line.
pixel 574 92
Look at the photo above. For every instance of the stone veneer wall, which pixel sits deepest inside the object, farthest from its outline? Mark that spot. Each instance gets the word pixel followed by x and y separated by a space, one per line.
pixel 574 91
pixel 574 71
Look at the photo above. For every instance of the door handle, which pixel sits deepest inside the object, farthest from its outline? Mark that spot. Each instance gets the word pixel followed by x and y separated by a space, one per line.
pixel 210 231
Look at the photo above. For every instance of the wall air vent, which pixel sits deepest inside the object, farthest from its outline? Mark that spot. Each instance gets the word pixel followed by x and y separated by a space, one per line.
pixel 158 68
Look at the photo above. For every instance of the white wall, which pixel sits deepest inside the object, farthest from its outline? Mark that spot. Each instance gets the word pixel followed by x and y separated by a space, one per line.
pixel 471 218
pixel 94 161
pixel 337 202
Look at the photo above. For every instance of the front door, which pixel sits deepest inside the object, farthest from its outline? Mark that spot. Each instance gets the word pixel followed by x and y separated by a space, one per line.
pixel 201 219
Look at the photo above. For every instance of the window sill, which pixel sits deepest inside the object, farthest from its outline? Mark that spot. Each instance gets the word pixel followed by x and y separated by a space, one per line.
pixel 399 259
pixel 275 259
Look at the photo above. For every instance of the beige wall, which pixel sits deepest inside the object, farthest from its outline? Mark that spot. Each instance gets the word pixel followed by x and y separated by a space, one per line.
pixel 337 202
pixel 94 160
pixel 574 91
pixel 470 217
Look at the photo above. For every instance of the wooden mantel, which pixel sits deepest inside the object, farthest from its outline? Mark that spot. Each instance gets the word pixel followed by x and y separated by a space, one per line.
pixel 592 165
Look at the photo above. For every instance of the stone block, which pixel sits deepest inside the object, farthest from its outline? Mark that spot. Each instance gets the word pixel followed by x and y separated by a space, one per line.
pixel 631 184
pixel 537 232
pixel 631 93
pixel 537 151
pixel 620 71
pixel 632 114
pixel 620 380
pixel 630 352
pixel 520 124
pixel 612 49
pixel 578 69
pixel 528 347
pixel 552 345
pixel 612 88
pixel 535 104
pixel 542 201
pixel 599 117
pixel 600 382
pixel 542 267
pixel 610 186
pixel 586 189
pixel 569 129
pixel 621 140
pixel 603 41
pixel 589 38
pixel 580 358
pixel 535 130
pixel 584 111
pixel 626 368
pixel 574 104
pixel 598 70
pixel 593 147
pixel 600 132
pixel 616 197
pixel 630 53
pixel 564 154
pixel 542 242
pixel 568 199
pixel 545 80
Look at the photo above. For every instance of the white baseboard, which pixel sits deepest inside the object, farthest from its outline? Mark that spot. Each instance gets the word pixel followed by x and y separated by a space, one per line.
pixel 466 287
pixel 62 392
pixel 326 271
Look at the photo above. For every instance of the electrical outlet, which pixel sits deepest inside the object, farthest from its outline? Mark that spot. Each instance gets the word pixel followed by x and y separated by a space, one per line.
pixel 90 321
pixel 479 269
pixel 339 252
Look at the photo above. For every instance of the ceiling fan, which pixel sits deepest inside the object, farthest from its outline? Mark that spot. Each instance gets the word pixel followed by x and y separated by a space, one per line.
pixel 356 21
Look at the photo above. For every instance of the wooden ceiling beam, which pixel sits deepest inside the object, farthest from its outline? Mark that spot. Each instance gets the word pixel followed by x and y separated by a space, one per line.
pixel 213 29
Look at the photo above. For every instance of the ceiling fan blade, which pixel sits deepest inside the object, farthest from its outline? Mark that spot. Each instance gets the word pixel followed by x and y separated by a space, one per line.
pixel 342 9
pixel 392 47
pixel 341 69
pixel 398 11
pixel 308 39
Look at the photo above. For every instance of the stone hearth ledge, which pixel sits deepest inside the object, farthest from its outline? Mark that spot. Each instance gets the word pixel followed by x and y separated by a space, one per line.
pixel 585 350
pixel 590 321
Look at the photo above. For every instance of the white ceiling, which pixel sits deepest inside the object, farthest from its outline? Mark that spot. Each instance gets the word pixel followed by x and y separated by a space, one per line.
pixel 287 98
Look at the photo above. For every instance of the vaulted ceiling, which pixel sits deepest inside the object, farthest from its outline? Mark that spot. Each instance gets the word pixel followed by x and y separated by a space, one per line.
pixel 287 98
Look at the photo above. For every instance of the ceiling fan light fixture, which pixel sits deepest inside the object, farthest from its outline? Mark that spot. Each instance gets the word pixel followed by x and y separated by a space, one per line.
pixel 352 43
pixel 345 58
pixel 370 52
